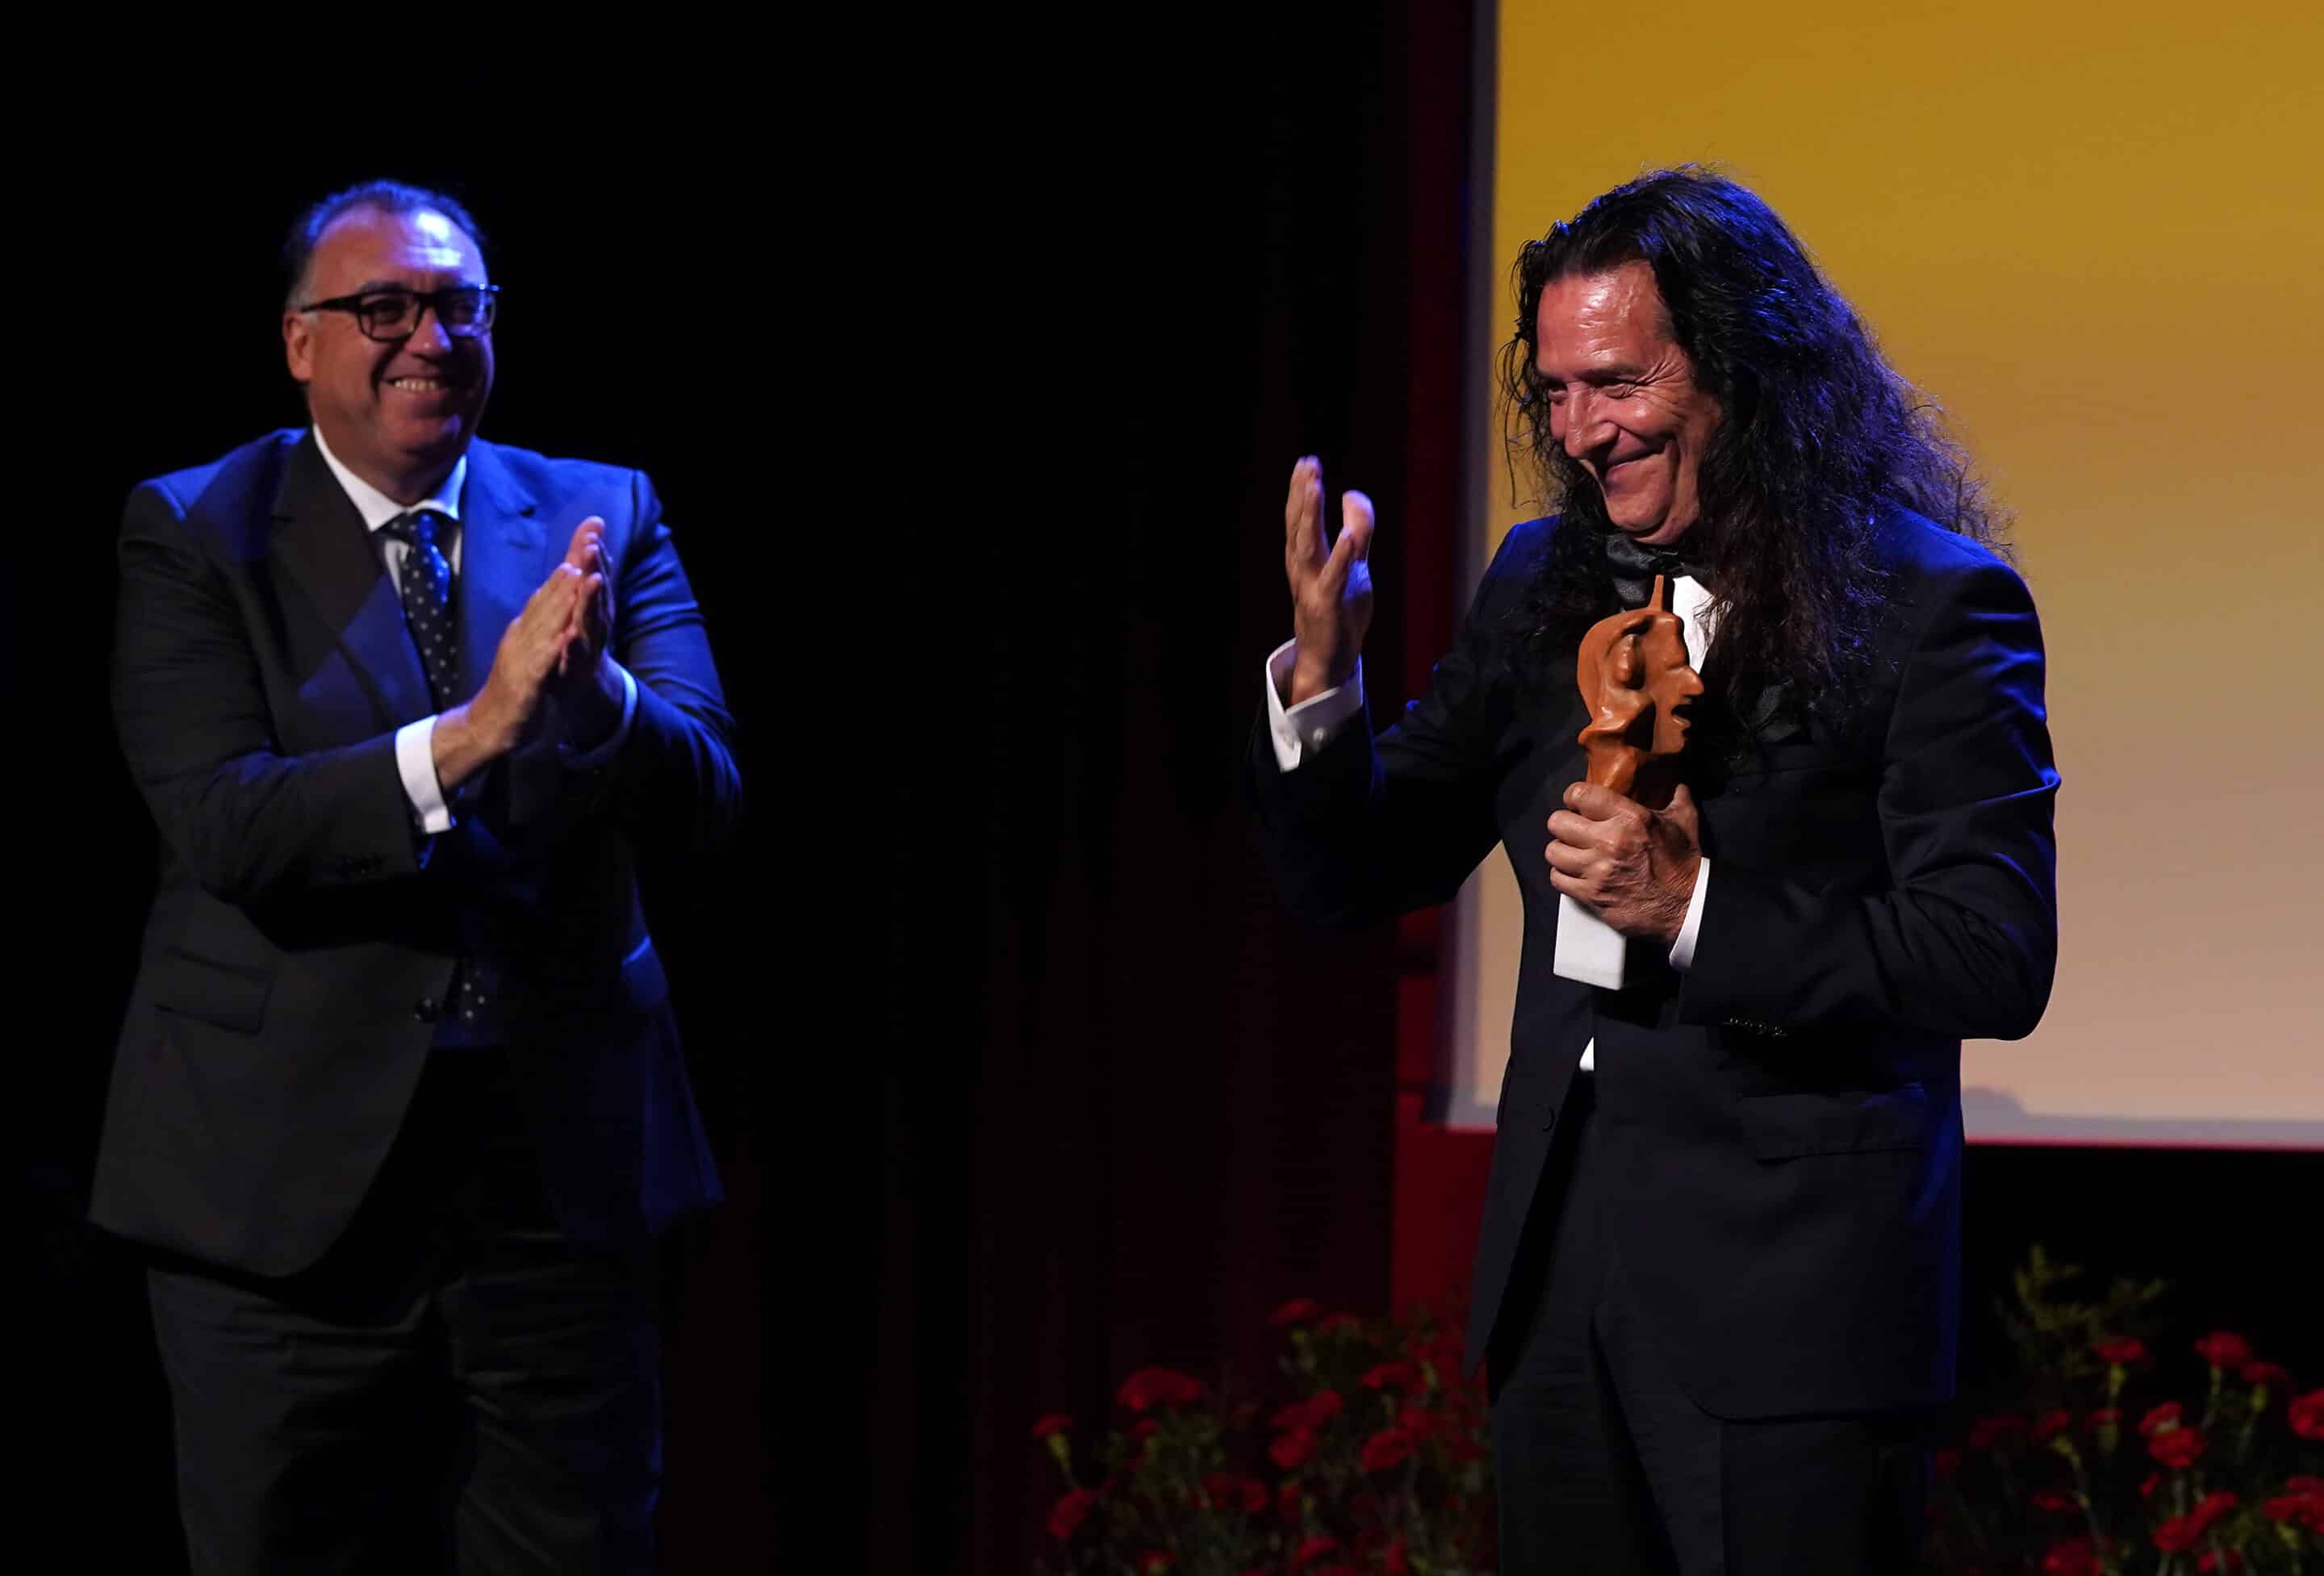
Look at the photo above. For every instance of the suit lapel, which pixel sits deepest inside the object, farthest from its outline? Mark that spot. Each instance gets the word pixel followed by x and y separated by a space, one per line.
pixel 321 545
pixel 501 562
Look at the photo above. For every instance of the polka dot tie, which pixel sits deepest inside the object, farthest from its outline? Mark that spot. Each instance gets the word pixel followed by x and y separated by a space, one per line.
pixel 425 579
pixel 426 586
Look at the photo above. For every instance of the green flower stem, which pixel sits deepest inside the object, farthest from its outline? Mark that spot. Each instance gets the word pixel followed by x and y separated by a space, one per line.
pixel 2251 1421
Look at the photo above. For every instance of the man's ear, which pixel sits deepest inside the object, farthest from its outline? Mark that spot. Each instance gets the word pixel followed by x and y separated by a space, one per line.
pixel 298 345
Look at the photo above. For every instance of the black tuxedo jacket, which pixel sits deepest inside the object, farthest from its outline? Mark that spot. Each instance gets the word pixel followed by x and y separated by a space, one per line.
pixel 303 930
pixel 1782 1120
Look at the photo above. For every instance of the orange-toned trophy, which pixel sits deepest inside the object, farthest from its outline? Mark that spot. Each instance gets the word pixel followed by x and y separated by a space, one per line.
pixel 1635 679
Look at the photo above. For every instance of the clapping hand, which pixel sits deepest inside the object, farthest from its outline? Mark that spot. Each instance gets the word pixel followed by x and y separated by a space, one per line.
pixel 588 685
pixel 507 710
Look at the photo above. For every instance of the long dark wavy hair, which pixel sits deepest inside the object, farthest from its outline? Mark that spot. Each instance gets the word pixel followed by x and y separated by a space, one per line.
pixel 1820 434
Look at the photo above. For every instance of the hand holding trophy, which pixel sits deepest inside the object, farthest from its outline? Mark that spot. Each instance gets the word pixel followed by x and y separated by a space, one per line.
pixel 1628 844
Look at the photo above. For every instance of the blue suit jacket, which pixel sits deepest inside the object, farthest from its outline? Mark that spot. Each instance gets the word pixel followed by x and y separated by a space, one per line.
pixel 302 931
pixel 1782 1121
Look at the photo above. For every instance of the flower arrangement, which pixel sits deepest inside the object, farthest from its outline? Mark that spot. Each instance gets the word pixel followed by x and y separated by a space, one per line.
pixel 1375 1460
pixel 2097 1468
pixel 1375 1457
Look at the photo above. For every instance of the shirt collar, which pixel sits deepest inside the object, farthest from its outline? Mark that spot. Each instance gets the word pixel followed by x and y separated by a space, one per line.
pixel 376 507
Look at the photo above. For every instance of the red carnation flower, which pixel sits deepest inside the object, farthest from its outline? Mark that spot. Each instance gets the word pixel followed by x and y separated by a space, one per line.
pixel 2176 1447
pixel 2219 1559
pixel 2122 1351
pixel 2050 1424
pixel 1403 1375
pixel 1312 1550
pixel 2307 1415
pixel 1158 1386
pixel 1145 1428
pixel 1387 1448
pixel 2162 1418
pixel 2266 1373
pixel 2052 1499
pixel 2105 1417
pixel 1987 1431
pixel 1392 1561
pixel 1944 1464
pixel 2073 1557
pixel 1227 1492
pixel 1298 1311
pixel 1312 1412
pixel 2301 1483
pixel 2224 1348
pixel 2213 1506
pixel 2149 1484
pixel 1420 1423
pixel 1287 1499
pixel 1292 1450
pixel 1055 1423
pixel 2179 1533
pixel 2297 1506
pixel 1067 1515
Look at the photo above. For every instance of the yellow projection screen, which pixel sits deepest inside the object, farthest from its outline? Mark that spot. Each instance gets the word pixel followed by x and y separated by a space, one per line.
pixel 2093 233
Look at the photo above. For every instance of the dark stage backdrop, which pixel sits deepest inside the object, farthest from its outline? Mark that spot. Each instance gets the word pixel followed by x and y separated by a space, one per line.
pixel 1166 1107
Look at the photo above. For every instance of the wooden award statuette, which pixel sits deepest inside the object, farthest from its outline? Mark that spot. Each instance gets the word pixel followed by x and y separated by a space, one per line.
pixel 1635 678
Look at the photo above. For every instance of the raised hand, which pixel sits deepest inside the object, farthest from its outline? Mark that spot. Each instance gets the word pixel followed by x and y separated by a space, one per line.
pixel 1331 587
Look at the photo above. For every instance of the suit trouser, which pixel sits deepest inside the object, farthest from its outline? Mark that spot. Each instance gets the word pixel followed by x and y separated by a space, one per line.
pixel 1605 1465
pixel 455 1386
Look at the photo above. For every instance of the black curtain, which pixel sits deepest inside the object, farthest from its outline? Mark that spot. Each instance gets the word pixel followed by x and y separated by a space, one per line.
pixel 1139 1106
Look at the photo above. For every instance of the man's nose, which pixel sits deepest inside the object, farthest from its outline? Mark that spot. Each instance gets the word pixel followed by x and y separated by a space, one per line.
pixel 428 336
pixel 1582 424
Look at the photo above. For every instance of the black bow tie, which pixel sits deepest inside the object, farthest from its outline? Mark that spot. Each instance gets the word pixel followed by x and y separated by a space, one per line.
pixel 1636 565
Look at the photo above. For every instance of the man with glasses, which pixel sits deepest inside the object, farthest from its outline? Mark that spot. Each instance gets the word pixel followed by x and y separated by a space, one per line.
pixel 397 1110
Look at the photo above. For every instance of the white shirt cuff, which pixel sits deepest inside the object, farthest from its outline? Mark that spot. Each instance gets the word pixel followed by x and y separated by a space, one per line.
pixel 415 763
pixel 595 755
pixel 1314 722
pixel 1682 953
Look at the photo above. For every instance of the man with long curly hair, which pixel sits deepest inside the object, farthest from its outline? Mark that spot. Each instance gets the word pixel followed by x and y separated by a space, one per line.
pixel 1718 1286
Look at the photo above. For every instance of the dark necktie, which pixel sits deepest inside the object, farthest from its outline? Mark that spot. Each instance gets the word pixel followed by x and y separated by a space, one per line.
pixel 1636 565
pixel 425 579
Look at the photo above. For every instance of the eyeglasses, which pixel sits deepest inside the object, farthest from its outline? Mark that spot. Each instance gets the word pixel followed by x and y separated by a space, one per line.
pixel 466 310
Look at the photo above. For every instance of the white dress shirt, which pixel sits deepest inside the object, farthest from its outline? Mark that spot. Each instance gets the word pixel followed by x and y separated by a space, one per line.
pixel 1316 721
pixel 415 742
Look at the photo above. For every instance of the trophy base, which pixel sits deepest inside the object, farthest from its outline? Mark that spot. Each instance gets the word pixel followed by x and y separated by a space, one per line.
pixel 1589 949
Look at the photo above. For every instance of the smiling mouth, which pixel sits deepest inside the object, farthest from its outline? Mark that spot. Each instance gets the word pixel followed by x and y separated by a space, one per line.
pixel 424 385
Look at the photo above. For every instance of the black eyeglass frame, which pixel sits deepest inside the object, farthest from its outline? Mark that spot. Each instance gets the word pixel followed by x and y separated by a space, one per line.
pixel 430 300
